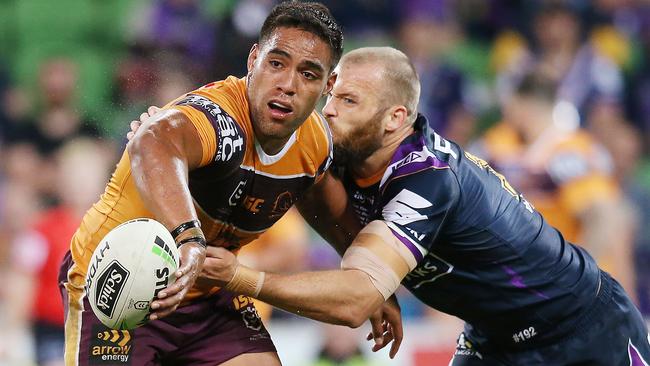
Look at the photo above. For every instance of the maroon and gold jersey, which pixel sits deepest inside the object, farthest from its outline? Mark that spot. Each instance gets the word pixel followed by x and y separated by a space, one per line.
pixel 239 191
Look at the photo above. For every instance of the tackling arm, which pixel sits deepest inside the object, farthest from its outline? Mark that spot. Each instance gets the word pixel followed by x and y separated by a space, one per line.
pixel 372 269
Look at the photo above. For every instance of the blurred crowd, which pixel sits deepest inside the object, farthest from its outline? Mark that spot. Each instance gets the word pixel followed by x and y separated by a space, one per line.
pixel 555 95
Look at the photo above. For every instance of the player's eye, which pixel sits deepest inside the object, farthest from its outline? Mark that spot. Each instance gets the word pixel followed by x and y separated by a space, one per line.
pixel 309 75
pixel 349 101
pixel 275 64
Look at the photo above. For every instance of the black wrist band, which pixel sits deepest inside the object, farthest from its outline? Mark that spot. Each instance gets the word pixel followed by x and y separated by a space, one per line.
pixel 197 239
pixel 184 226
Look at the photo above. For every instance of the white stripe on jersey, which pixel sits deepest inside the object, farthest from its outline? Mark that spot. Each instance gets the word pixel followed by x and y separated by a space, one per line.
pixel 419 247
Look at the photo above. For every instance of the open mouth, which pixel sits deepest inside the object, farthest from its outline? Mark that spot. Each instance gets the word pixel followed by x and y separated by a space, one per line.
pixel 279 110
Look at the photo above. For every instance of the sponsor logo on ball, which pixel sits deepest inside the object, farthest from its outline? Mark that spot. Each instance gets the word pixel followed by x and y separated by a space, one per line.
pixel 92 271
pixel 109 286
pixel 162 274
pixel 138 305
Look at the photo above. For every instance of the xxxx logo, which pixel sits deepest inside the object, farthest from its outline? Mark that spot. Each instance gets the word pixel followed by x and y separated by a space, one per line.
pixel 119 337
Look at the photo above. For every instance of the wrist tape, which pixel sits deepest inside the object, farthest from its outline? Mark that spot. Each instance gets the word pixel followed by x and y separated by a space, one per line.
pixel 246 281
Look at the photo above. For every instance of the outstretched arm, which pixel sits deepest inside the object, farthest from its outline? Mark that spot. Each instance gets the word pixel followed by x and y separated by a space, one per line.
pixel 162 151
pixel 372 269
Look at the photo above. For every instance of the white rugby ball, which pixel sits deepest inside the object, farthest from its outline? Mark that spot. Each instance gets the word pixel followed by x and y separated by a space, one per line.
pixel 131 264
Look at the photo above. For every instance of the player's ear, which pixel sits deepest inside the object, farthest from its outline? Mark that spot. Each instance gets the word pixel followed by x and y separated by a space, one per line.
pixel 330 83
pixel 398 115
pixel 252 56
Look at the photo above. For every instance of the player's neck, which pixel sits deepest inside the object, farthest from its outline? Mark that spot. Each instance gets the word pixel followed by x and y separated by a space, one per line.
pixel 272 146
pixel 380 159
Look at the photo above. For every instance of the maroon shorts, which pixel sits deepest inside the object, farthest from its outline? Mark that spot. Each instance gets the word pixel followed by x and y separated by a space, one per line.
pixel 208 331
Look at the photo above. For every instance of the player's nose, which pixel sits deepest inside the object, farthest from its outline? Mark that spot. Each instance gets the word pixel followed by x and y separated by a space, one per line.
pixel 329 110
pixel 287 83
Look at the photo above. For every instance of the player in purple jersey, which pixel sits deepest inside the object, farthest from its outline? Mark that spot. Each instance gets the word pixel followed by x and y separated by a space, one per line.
pixel 453 231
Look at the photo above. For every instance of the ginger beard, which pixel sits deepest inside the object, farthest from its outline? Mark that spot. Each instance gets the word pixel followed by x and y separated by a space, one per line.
pixel 361 141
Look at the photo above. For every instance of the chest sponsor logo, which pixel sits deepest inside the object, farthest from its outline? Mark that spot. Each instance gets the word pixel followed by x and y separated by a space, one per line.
pixel 110 346
pixel 430 269
pixel 109 286
pixel 363 199
pixel 230 140
pixel 253 204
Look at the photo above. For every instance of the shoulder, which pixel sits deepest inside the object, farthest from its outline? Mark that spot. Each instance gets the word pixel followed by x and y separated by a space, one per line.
pixel 218 111
pixel 419 174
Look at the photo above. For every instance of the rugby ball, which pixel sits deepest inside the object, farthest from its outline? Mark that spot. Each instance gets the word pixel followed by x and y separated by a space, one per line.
pixel 131 264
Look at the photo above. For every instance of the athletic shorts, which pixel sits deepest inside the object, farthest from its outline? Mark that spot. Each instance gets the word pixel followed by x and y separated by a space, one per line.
pixel 613 333
pixel 208 331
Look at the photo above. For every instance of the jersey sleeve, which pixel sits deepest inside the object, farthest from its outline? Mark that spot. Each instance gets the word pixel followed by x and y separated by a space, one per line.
pixel 416 205
pixel 222 138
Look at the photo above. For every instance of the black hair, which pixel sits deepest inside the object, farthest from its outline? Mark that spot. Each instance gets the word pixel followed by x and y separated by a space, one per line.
pixel 309 16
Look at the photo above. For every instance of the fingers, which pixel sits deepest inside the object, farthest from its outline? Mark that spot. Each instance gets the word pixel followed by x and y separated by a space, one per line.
pixel 386 339
pixel 153 110
pixel 377 328
pixel 394 320
pixel 170 297
pixel 144 116
pixel 187 263
pixel 164 306
pixel 167 306
pixel 394 348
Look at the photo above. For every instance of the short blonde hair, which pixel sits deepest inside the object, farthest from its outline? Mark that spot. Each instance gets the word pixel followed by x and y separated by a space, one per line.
pixel 402 84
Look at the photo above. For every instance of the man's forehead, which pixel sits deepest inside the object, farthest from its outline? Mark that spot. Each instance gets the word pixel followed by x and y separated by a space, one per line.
pixel 299 44
pixel 359 77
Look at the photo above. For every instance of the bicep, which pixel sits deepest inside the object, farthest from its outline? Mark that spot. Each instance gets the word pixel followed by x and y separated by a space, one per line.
pixel 173 131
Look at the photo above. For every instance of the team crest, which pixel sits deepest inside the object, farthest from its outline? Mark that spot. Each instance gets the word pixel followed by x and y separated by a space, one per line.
pixel 251 318
pixel 281 205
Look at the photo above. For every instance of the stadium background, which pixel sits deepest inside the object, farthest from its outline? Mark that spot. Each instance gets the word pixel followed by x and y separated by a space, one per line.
pixel 74 73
